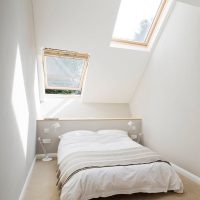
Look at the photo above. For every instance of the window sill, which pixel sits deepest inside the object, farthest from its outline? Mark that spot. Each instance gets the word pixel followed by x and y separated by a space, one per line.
pixel 69 96
pixel 121 45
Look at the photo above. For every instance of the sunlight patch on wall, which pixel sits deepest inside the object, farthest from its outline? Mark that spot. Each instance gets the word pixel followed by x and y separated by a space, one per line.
pixel 59 108
pixel 19 102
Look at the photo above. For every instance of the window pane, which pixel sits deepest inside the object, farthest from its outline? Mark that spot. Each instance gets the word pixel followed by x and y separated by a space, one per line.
pixel 135 18
pixel 64 72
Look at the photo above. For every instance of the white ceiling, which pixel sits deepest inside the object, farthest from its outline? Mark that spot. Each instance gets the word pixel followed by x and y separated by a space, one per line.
pixel 192 2
pixel 87 26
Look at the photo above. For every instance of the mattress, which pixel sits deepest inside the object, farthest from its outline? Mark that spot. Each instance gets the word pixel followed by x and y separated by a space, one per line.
pixel 152 177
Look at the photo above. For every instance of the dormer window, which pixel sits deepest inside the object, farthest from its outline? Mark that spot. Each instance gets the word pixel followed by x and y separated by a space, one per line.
pixel 64 71
pixel 136 21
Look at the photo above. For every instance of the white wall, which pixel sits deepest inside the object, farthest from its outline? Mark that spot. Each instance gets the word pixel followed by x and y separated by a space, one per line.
pixel 168 96
pixel 75 108
pixel 17 106
pixel 113 73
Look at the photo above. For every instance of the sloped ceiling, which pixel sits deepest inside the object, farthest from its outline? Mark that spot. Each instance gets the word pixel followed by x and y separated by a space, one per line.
pixel 87 26
pixel 192 2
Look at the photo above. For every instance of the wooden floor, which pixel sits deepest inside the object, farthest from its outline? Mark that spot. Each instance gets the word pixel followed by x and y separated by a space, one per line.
pixel 43 181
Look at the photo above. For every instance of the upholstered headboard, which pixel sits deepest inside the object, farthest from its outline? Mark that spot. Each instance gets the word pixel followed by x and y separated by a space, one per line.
pixel 80 124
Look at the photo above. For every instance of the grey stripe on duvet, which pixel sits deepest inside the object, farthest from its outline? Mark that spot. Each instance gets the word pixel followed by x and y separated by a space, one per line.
pixel 79 161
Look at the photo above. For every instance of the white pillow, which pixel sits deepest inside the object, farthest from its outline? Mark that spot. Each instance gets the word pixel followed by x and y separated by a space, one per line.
pixel 77 132
pixel 112 131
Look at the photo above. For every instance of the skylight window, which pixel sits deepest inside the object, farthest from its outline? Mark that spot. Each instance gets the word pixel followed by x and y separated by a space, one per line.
pixel 137 20
pixel 64 71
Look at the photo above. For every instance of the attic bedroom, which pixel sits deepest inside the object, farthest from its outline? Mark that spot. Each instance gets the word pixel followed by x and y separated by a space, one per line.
pixel 100 99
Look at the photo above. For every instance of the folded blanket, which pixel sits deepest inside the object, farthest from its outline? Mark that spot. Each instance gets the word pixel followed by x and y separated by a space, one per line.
pixel 84 160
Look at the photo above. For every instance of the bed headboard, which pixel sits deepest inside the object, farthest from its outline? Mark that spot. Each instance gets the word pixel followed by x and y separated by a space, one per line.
pixel 80 124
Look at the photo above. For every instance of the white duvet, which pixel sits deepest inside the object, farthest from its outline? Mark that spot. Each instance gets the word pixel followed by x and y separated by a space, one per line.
pixel 107 181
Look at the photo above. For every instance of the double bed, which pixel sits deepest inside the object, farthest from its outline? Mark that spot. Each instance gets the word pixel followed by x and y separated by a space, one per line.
pixel 107 162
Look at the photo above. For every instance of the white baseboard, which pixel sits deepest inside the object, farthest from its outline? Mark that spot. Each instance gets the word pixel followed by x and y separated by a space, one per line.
pixel 27 180
pixel 40 156
pixel 187 174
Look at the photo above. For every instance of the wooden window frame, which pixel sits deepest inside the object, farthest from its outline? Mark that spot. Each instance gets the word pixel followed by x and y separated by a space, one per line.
pixel 150 32
pixel 66 54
